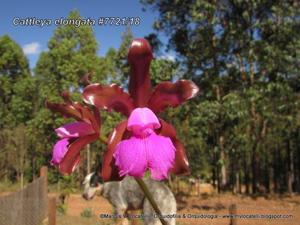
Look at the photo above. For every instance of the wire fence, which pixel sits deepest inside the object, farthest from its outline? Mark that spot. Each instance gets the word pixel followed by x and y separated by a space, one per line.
pixel 28 206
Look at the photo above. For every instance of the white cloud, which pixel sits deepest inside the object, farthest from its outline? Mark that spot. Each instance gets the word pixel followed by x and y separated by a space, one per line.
pixel 32 48
pixel 170 57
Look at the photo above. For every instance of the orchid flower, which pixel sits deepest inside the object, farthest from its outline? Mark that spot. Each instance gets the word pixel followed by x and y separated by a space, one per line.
pixel 73 136
pixel 143 141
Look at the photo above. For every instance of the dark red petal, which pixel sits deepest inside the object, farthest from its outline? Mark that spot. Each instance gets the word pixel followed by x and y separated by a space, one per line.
pixel 71 159
pixel 139 58
pixel 65 109
pixel 109 170
pixel 108 97
pixel 171 94
pixel 181 166
pixel 97 117
pixel 87 115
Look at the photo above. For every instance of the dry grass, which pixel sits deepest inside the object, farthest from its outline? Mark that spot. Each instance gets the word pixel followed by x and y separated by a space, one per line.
pixel 213 205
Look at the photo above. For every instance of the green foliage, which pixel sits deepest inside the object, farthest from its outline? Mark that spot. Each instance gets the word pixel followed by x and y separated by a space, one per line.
pixel 244 56
pixel 163 70
pixel 67 184
pixel 244 127
pixel 13 63
pixel 15 84
pixel 72 53
pixel 87 213
pixel 62 209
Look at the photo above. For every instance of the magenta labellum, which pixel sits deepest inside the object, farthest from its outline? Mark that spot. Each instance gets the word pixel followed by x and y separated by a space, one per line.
pixel 144 149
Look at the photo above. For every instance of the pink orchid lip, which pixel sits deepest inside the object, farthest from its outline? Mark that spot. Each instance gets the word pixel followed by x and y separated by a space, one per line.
pixel 145 149
pixel 135 155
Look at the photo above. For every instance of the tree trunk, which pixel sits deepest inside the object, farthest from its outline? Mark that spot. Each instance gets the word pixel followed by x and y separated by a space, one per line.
pixel 247 178
pixel 214 170
pixel 223 166
pixel 271 180
pixel 276 170
pixel 22 179
pixel 297 163
pixel 88 157
pixel 218 179
pixel 290 172
pixel 237 185
pixel 254 168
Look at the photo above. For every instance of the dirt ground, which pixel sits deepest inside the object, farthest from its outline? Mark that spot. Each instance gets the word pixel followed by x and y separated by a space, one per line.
pixel 195 209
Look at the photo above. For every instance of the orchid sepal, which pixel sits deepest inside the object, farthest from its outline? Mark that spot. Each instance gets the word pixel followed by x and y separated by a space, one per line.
pixel 108 97
pixel 171 94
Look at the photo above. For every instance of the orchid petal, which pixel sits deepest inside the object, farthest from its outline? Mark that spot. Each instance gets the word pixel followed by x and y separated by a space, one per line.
pixel 59 151
pixel 88 115
pixel 76 110
pixel 171 94
pixel 141 119
pixel 181 165
pixel 131 157
pixel 71 159
pixel 139 58
pixel 66 110
pixel 109 169
pixel 75 129
pixel 161 155
pixel 108 97
pixel 97 118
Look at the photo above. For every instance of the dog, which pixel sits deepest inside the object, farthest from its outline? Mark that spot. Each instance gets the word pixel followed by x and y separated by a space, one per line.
pixel 126 195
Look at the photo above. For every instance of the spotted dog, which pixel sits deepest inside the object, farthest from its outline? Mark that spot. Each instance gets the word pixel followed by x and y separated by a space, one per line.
pixel 126 196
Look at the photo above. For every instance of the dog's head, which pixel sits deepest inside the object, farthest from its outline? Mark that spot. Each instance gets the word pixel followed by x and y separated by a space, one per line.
pixel 93 183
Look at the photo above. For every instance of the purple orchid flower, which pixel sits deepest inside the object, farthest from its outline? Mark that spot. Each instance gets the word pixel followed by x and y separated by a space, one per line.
pixel 143 141
pixel 73 136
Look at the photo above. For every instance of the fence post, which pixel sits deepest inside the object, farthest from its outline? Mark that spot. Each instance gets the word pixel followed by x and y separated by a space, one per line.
pixel 198 186
pixel 43 173
pixel 52 211
pixel 232 212
pixel 51 200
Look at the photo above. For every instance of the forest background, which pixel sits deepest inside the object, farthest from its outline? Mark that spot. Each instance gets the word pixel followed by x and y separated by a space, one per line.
pixel 241 134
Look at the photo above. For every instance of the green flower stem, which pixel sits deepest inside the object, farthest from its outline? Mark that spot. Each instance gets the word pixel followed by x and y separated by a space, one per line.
pixel 149 196
pixel 145 189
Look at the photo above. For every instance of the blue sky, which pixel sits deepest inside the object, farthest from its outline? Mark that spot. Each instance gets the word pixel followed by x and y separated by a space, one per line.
pixel 33 39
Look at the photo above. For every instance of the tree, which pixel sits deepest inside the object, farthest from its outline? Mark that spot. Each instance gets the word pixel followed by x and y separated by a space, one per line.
pixel 16 91
pixel 72 53
pixel 14 80
pixel 240 47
